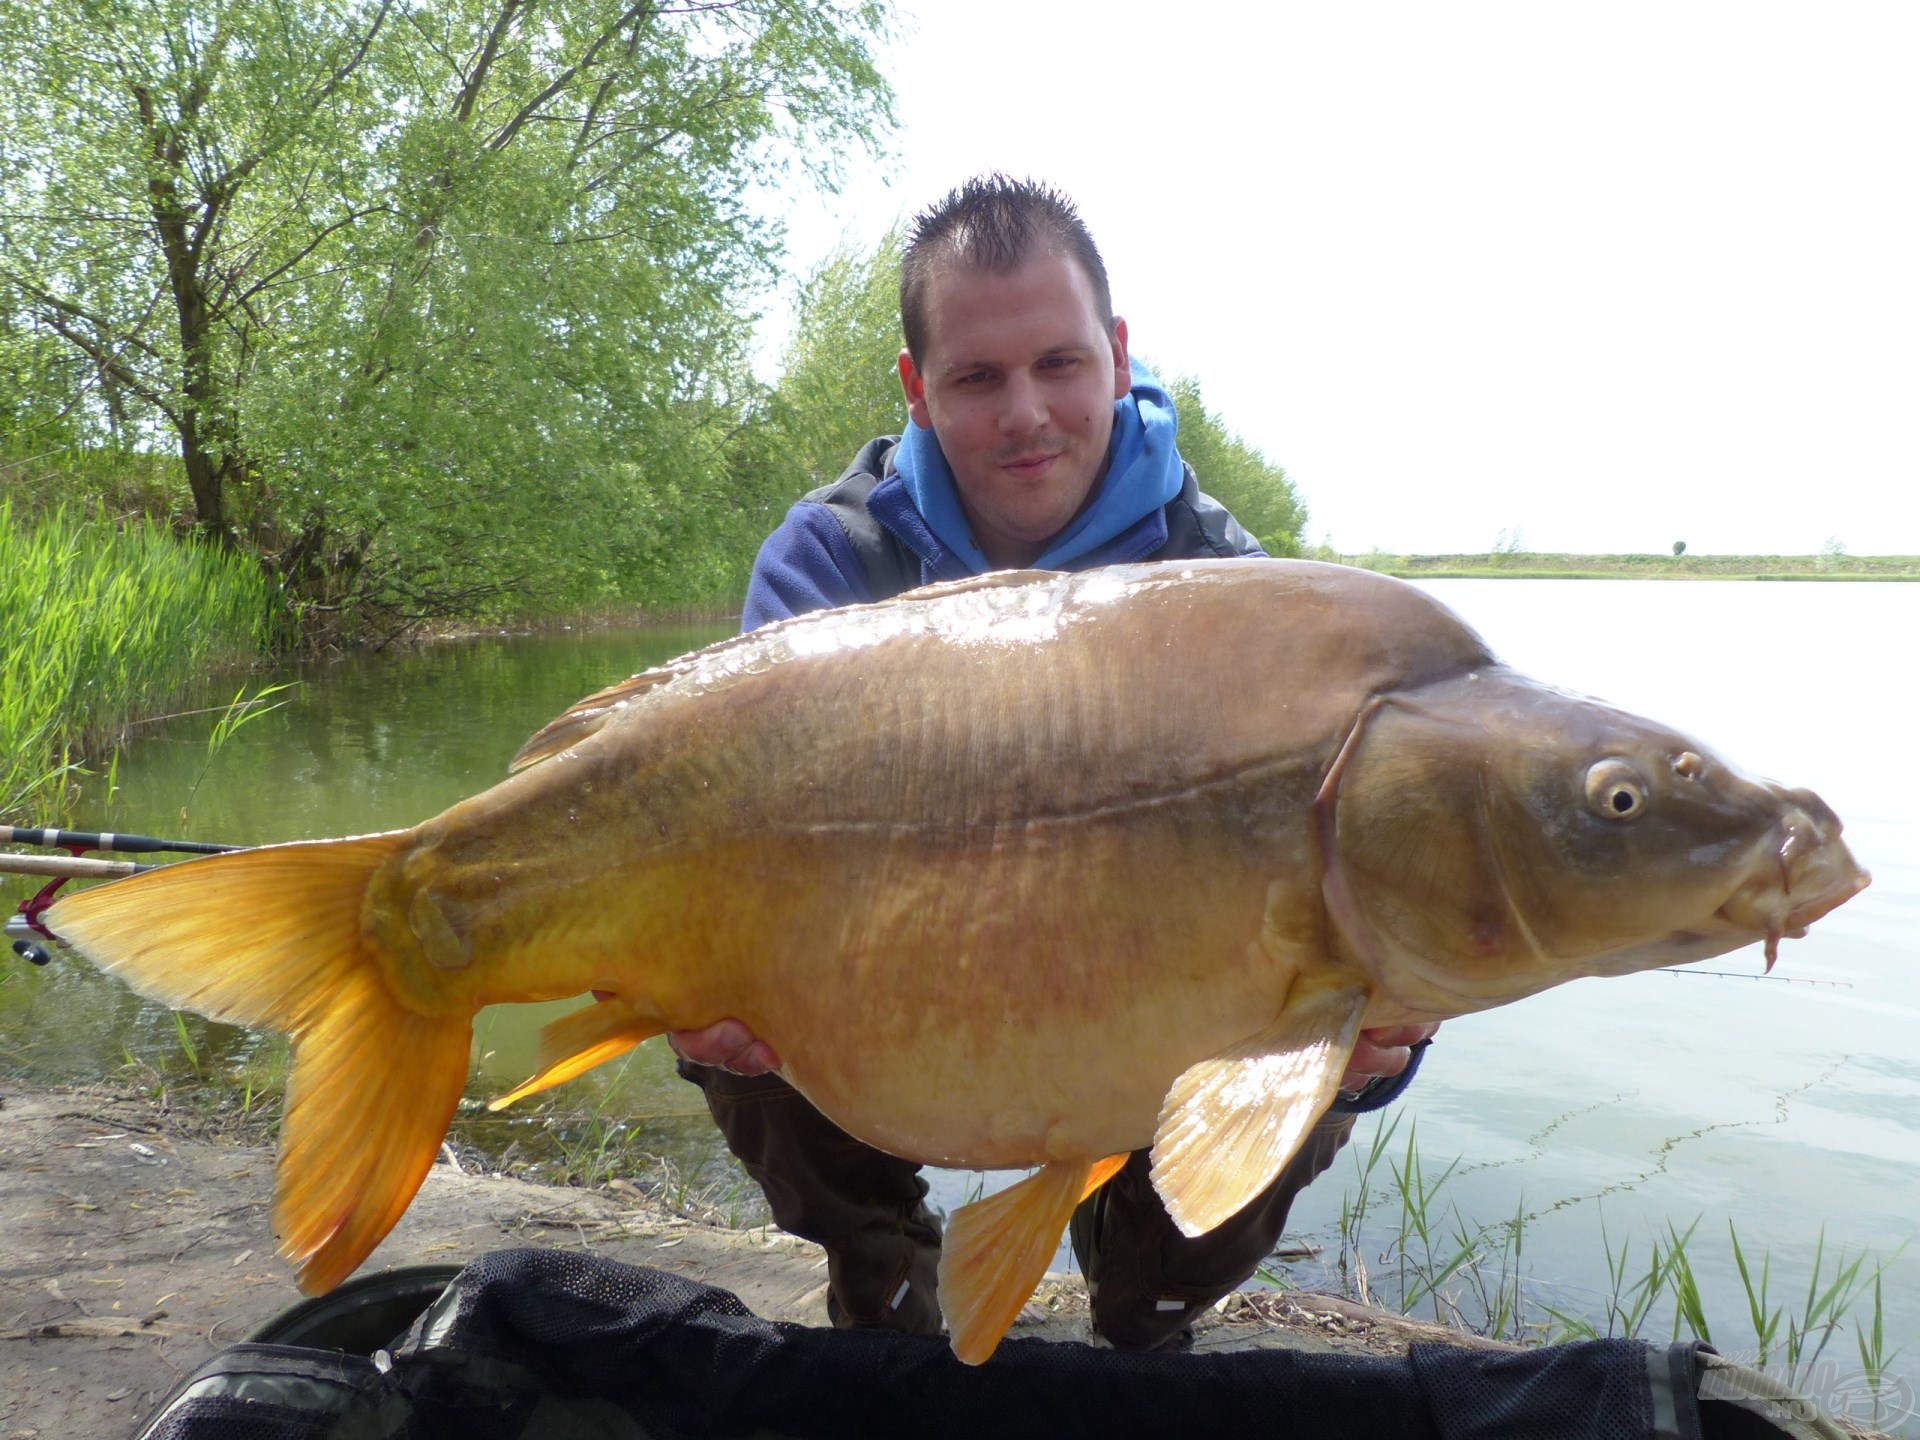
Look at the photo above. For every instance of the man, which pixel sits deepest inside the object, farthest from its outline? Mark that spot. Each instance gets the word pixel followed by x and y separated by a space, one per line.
pixel 1034 441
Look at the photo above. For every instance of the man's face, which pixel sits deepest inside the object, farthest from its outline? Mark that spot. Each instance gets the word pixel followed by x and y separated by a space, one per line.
pixel 1018 384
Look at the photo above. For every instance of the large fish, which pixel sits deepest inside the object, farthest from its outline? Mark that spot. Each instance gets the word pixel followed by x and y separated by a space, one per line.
pixel 1027 871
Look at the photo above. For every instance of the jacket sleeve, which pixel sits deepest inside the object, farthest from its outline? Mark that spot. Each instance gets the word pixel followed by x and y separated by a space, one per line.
pixel 805 564
pixel 1382 1090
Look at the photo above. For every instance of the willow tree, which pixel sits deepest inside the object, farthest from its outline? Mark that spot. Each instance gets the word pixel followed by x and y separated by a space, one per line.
pixel 424 294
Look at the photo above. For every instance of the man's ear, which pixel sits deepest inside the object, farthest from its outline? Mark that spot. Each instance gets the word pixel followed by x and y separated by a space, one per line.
pixel 914 385
pixel 1122 365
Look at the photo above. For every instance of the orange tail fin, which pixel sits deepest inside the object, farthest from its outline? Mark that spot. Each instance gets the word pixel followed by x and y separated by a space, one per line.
pixel 271 939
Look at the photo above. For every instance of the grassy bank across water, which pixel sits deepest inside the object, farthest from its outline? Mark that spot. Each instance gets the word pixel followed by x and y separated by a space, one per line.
pixel 1525 565
pixel 99 623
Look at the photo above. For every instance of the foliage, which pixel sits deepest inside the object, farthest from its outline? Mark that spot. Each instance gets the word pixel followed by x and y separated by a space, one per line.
pixel 1679 548
pixel 443 307
pixel 1256 490
pixel 839 386
pixel 1508 542
pixel 96 618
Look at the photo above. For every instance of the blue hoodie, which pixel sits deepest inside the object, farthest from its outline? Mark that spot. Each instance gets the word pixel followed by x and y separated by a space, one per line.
pixel 809 564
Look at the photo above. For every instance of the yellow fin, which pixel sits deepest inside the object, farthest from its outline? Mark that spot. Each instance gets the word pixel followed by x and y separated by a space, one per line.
pixel 1230 1124
pixel 253 937
pixel 271 938
pixel 580 1040
pixel 372 1091
pixel 996 1251
pixel 1105 1170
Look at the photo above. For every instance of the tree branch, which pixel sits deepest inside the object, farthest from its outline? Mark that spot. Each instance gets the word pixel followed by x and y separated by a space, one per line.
pixel 475 79
pixel 51 300
pixel 350 218
pixel 222 188
pixel 109 363
pixel 503 137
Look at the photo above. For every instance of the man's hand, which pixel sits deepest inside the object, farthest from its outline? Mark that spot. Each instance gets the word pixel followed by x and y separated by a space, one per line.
pixel 1384 1051
pixel 727 1045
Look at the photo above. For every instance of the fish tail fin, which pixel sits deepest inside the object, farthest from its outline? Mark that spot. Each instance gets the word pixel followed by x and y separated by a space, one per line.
pixel 373 1089
pixel 996 1252
pixel 271 938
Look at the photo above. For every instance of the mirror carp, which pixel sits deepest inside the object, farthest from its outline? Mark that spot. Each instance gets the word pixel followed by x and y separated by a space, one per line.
pixel 1031 870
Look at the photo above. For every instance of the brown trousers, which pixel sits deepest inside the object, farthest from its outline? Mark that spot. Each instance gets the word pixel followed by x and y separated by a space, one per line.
pixel 867 1209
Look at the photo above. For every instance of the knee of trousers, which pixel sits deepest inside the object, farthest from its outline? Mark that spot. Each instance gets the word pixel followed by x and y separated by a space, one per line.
pixel 1146 1280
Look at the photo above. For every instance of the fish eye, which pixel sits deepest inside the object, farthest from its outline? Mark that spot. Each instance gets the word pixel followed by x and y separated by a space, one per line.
pixel 1615 790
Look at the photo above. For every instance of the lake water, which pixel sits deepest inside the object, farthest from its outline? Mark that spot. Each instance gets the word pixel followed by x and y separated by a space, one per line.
pixel 1792 1109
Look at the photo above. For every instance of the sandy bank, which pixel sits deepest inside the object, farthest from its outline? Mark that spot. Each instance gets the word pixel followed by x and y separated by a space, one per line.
pixel 134 1243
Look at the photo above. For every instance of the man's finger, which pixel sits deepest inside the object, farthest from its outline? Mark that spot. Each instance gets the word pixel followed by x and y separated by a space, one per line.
pixel 726 1045
pixel 1370 1061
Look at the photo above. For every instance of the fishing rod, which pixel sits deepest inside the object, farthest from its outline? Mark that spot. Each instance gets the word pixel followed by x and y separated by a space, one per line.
pixel 23 927
pixel 1740 975
pixel 80 841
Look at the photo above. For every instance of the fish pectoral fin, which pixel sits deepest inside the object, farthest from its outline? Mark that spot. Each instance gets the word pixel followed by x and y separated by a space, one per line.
pixel 1105 1170
pixel 576 1042
pixel 1230 1124
pixel 996 1251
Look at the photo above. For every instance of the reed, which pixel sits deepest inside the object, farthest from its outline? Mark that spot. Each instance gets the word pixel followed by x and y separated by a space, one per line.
pixel 1405 1244
pixel 98 623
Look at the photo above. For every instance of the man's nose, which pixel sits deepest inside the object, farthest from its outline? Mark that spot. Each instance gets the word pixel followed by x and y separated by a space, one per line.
pixel 1023 409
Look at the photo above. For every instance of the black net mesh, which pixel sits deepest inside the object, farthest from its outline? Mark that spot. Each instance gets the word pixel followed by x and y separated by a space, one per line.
pixel 231 1417
pixel 540 1344
pixel 1597 1389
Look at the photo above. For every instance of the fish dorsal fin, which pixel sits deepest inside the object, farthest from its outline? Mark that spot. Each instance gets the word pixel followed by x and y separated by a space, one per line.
pixel 1230 1124
pixel 585 717
pixel 996 1251
pixel 576 1042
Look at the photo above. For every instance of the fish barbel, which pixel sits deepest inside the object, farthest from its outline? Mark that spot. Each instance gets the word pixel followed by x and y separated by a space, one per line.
pixel 1031 870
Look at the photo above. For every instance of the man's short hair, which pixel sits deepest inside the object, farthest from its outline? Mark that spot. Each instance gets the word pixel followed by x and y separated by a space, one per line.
pixel 992 223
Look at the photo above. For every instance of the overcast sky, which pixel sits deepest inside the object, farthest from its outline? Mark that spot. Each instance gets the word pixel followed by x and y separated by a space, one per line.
pixel 1610 276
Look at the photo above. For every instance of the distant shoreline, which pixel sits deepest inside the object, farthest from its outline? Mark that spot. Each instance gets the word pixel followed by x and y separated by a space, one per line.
pixel 1525 565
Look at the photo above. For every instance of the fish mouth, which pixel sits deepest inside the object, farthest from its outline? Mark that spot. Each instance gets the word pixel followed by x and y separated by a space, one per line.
pixel 1803 872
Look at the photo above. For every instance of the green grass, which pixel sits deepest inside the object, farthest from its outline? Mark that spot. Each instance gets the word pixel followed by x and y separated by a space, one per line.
pixel 1528 565
pixel 100 622
pixel 1404 1245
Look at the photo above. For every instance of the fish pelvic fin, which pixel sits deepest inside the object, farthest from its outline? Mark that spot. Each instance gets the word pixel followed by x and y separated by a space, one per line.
pixel 271 939
pixel 996 1251
pixel 1230 1124
pixel 1105 1170
pixel 580 1040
